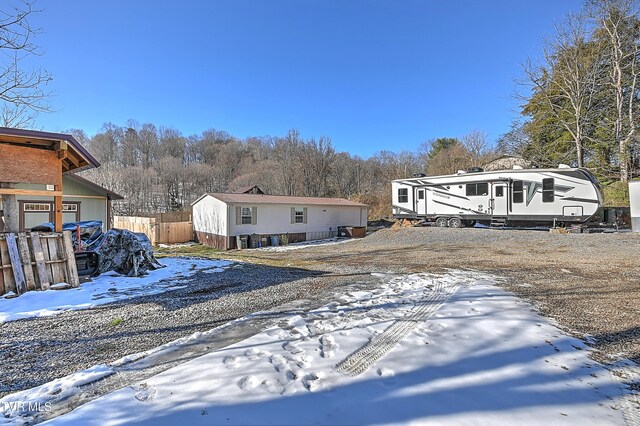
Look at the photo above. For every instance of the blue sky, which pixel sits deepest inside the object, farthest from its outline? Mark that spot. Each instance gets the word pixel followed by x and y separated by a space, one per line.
pixel 372 75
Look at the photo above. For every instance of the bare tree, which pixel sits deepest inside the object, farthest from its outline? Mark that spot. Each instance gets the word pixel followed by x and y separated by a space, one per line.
pixel 620 29
pixel 477 147
pixel 566 83
pixel 21 90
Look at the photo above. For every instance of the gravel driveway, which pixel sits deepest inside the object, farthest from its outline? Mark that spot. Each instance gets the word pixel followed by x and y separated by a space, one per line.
pixel 35 351
pixel 590 283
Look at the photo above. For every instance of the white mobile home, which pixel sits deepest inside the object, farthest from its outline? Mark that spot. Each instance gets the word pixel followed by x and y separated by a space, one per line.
pixel 563 195
pixel 219 218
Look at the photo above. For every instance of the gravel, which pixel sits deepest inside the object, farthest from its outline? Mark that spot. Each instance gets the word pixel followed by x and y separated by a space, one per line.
pixel 589 283
pixel 35 351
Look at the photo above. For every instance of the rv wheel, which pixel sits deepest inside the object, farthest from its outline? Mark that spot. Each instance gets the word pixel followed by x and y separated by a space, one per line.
pixel 442 222
pixel 455 222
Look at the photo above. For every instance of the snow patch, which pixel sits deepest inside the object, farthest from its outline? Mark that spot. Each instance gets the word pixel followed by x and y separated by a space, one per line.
pixel 106 288
pixel 507 365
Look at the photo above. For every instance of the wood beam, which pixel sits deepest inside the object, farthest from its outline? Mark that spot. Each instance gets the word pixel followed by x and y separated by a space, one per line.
pixel 61 146
pixel 38 192
pixel 73 159
pixel 57 201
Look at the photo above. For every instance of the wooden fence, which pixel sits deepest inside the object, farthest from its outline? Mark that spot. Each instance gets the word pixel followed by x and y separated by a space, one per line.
pixel 158 232
pixel 36 261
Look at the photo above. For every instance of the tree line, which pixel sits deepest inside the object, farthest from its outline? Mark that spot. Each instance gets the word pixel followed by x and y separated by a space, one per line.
pixel 584 108
pixel 159 169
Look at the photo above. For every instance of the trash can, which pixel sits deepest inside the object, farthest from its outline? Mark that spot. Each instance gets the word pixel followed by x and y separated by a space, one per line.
pixel 254 241
pixel 284 239
pixel 275 240
pixel 264 241
pixel 242 242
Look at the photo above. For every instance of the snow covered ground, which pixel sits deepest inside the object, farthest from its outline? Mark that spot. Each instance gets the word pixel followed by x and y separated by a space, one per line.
pixel 106 288
pixel 448 349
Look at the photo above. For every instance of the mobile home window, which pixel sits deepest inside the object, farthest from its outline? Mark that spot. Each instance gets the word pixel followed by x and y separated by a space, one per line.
pixel 403 195
pixel 421 194
pixel 298 215
pixel 246 216
pixel 518 191
pixel 499 191
pixel 547 190
pixel 477 189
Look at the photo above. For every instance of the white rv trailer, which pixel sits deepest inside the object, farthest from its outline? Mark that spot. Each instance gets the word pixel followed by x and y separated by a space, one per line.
pixel 562 195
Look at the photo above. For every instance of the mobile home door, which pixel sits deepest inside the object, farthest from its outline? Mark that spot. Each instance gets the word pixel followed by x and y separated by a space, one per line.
pixel 421 201
pixel 499 194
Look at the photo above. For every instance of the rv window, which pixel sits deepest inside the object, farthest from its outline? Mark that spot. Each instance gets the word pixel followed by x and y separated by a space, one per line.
pixel 477 189
pixel 421 194
pixel 403 195
pixel 547 190
pixel 518 191
pixel 499 191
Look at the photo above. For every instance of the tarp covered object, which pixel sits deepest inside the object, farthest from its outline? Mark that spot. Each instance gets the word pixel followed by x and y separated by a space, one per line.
pixel 128 253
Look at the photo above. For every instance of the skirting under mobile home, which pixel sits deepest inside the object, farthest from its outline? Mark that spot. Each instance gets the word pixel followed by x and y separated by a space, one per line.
pixel 219 218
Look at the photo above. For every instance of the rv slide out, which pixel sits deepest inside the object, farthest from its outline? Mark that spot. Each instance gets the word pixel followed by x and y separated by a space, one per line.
pixel 517 197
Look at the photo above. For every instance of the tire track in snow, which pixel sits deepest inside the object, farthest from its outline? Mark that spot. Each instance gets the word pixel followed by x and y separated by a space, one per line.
pixel 359 361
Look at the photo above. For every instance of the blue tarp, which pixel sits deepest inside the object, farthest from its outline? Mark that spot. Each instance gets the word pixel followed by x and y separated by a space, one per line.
pixel 90 232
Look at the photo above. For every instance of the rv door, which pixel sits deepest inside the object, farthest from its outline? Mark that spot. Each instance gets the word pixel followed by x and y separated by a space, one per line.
pixel 421 201
pixel 499 194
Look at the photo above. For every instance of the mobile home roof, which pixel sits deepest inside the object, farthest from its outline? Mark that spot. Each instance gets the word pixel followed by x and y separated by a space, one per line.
pixel 282 199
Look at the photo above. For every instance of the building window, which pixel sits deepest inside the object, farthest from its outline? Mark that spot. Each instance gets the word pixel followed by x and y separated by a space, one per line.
pixel 421 194
pixel 403 195
pixel 547 190
pixel 499 191
pixel 518 192
pixel 37 207
pixel 246 216
pixel 69 208
pixel 298 215
pixel 481 188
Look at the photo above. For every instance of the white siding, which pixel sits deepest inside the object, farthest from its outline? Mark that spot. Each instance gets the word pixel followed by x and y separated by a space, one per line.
pixel 634 199
pixel 210 216
pixel 276 219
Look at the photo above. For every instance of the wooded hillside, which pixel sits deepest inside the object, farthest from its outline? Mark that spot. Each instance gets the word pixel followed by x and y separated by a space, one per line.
pixel 159 169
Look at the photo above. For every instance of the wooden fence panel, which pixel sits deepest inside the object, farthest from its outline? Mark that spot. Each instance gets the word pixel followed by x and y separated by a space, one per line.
pixel 158 232
pixel 14 255
pixel 25 257
pixel 38 256
pixel 145 225
pixel 7 273
pixel 72 269
pixel 33 261
pixel 175 232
